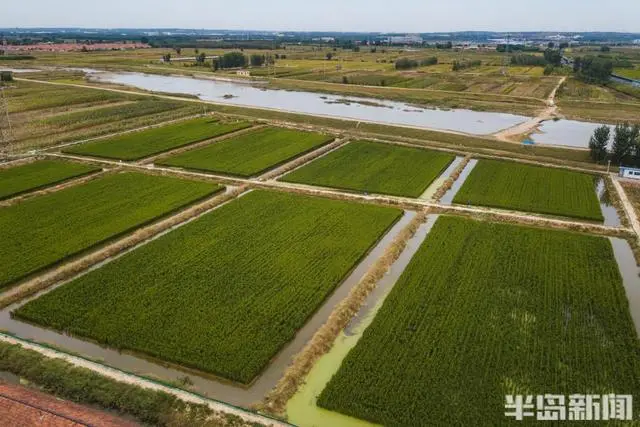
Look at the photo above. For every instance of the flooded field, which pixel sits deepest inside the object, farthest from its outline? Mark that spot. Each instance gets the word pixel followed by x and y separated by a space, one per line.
pixel 353 108
pixel 570 133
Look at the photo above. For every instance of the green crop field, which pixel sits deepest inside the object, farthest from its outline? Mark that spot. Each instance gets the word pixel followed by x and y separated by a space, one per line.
pixel 503 184
pixel 376 168
pixel 485 310
pixel 43 230
pixel 225 292
pixel 251 153
pixel 138 145
pixel 43 173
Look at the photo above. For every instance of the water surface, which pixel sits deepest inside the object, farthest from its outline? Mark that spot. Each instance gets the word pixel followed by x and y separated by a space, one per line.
pixel 353 108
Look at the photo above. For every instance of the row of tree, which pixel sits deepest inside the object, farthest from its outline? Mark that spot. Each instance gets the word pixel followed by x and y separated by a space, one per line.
pixel 625 147
pixel 593 69
pixel 406 63
pixel 461 65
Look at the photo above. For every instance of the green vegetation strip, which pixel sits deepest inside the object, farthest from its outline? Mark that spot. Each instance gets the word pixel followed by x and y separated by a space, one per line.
pixel 484 310
pixel 251 153
pixel 509 185
pixel 44 230
pixel 33 176
pixel 223 293
pixel 376 168
pixel 138 145
pixel 81 385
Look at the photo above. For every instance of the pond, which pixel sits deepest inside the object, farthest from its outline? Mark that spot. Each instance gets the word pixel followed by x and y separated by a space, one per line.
pixel 352 108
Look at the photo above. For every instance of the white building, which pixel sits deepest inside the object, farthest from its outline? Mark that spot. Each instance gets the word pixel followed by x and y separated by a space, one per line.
pixel 243 73
pixel 631 173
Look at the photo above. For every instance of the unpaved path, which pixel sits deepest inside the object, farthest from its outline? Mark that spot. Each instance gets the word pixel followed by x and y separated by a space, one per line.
pixel 512 134
pixel 628 206
pixel 521 217
pixel 127 378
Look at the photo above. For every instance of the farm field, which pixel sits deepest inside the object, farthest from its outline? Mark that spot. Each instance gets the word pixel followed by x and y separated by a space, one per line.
pixel 376 168
pixel 138 145
pixel 21 179
pixel 251 153
pixel 485 310
pixel 43 115
pixel 225 292
pixel 44 230
pixel 509 185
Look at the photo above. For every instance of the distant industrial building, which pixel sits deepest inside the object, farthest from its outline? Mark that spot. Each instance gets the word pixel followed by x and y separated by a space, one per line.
pixel 407 39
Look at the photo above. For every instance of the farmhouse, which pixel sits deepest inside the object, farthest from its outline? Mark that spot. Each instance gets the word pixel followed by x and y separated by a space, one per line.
pixel 627 172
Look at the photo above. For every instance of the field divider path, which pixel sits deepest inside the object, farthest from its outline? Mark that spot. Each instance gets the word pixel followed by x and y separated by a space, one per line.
pixel 301 161
pixel 99 255
pixel 128 378
pixel 404 202
pixel 124 132
pixel 183 149
pixel 63 185
pixel 628 207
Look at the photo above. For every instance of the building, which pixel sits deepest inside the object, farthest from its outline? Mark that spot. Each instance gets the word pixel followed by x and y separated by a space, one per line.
pixel 631 173
pixel 408 39
pixel 243 73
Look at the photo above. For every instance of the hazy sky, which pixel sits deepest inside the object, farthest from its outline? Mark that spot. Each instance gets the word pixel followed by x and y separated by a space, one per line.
pixel 329 15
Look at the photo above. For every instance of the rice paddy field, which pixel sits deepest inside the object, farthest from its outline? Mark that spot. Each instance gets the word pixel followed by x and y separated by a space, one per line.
pixel 509 185
pixel 138 145
pixel 250 153
pixel 484 310
pixel 43 115
pixel 42 231
pixel 21 179
pixel 225 292
pixel 374 168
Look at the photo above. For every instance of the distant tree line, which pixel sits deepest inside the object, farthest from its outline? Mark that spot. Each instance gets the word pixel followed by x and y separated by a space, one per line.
pixel 625 147
pixel 516 48
pixel 406 63
pixel 529 60
pixel 461 65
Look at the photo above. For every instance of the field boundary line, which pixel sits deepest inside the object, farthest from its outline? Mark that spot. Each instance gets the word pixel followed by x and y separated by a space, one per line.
pixel 200 144
pixel 333 130
pixel 324 338
pixel 111 135
pixel 61 185
pixel 97 255
pixel 18 162
pixel 418 90
pixel 133 379
pixel 299 162
pixel 526 218
pixel 627 205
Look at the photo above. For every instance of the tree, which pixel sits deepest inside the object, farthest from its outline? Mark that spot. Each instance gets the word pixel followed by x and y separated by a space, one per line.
pixel 624 140
pixel 592 69
pixel 553 57
pixel 166 57
pixel 232 60
pixel 178 50
pixel 605 48
pixel 548 69
pixel 551 45
pixel 201 58
pixel 598 143
pixel 563 45
pixel 406 63
pixel 257 60
pixel 329 56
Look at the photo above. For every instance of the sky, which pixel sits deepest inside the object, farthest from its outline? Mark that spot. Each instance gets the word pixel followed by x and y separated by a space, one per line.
pixel 329 15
